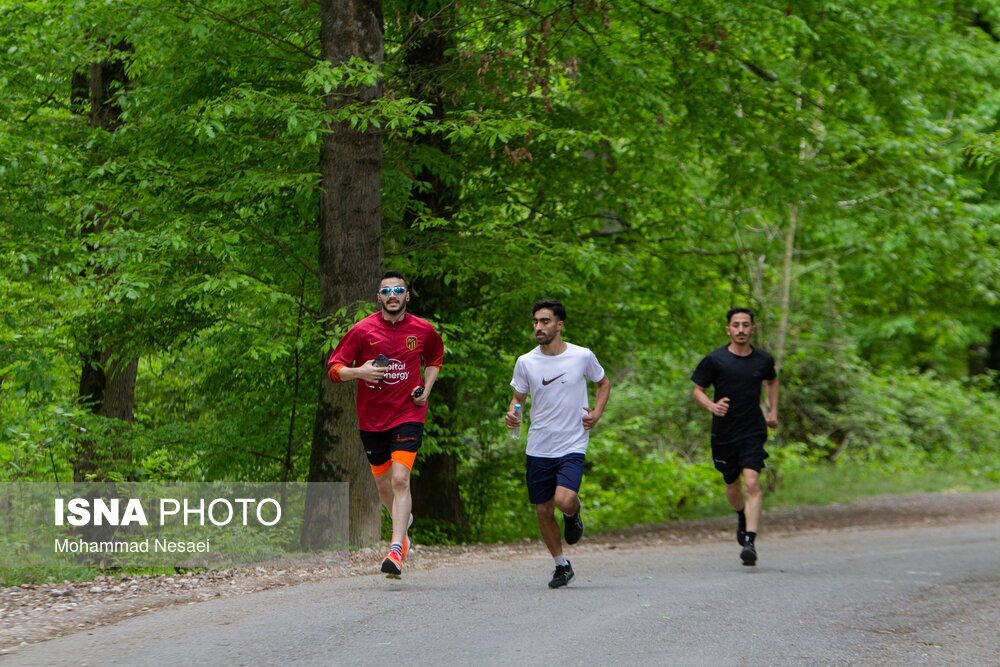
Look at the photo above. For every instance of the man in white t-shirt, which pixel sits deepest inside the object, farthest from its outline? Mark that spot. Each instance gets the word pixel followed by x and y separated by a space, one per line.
pixel 555 374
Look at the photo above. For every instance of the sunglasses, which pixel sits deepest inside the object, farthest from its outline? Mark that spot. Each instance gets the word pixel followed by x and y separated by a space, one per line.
pixel 397 290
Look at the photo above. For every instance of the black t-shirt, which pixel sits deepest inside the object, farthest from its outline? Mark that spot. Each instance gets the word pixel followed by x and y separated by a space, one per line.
pixel 740 379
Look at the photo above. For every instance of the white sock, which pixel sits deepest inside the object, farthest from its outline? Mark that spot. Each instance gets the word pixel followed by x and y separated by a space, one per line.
pixel 560 560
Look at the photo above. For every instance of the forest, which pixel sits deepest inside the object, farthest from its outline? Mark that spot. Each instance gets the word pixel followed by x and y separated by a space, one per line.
pixel 197 200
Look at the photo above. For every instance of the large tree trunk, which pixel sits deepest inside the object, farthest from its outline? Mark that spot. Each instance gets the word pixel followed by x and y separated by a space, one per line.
pixel 350 259
pixel 435 486
pixel 107 383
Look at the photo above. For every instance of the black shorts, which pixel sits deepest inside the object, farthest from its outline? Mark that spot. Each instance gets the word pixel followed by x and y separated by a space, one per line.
pixel 731 458
pixel 544 475
pixel 379 445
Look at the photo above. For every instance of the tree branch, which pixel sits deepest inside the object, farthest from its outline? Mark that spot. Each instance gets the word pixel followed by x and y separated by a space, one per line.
pixel 280 246
pixel 848 203
pixel 295 297
pixel 771 77
pixel 260 33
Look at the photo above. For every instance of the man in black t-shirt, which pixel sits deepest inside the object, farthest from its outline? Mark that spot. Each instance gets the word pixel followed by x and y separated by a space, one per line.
pixel 739 428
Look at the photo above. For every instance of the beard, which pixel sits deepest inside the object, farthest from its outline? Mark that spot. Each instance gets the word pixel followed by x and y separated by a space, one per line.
pixel 393 309
pixel 544 339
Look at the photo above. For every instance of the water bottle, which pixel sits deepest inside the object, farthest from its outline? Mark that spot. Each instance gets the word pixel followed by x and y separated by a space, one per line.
pixel 515 433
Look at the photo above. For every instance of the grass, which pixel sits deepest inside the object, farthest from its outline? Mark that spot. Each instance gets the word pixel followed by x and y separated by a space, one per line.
pixel 825 484
pixel 18 575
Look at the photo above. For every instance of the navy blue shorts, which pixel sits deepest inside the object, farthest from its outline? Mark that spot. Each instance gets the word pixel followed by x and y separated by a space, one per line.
pixel 730 459
pixel 544 475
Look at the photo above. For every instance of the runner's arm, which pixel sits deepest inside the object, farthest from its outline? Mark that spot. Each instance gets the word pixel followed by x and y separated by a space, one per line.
pixel 340 366
pixel 601 400
pixel 509 418
pixel 366 371
pixel 701 398
pixel 430 377
pixel 771 388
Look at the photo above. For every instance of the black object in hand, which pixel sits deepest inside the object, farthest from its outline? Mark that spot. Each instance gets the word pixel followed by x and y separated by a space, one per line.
pixel 418 392
pixel 381 361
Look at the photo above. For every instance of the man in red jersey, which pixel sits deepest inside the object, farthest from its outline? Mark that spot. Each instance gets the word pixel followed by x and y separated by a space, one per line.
pixel 385 351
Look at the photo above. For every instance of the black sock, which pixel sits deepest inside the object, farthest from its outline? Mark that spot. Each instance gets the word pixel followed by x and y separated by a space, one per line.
pixel 751 536
pixel 742 520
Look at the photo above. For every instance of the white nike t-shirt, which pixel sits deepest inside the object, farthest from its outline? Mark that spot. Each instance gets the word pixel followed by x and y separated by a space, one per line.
pixel 558 389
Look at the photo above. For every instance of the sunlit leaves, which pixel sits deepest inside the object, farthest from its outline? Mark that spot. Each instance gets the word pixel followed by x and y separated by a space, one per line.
pixel 636 160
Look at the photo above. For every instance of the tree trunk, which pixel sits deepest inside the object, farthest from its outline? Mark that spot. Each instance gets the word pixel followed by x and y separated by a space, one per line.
pixel 109 387
pixel 435 487
pixel 985 357
pixel 784 300
pixel 807 153
pixel 107 383
pixel 350 259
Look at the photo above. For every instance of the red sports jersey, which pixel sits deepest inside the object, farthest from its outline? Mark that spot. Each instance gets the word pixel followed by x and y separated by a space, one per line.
pixel 407 343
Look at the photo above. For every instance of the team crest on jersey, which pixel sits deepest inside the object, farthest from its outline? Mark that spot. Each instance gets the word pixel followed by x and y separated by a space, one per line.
pixel 411 343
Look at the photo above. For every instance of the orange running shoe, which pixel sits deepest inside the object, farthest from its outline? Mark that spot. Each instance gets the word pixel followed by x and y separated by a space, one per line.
pixel 392 565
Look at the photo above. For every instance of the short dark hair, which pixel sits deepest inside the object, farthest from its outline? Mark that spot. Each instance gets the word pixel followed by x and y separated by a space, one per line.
pixel 557 308
pixel 737 310
pixel 395 274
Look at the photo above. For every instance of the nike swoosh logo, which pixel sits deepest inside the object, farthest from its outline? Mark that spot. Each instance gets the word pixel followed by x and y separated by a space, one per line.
pixel 548 382
pixel 374 342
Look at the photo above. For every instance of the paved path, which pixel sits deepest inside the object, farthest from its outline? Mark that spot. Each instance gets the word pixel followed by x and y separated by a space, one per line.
pixel 925 595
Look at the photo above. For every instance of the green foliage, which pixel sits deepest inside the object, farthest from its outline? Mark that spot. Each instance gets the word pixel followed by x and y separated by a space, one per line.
pixel 839 406
pixel 626 487
pixel 638 161
pixel 495 493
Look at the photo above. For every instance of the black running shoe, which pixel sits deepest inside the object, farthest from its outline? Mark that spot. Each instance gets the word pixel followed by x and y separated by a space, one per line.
pixel 562 576
pixel 574 528
pixel 749 554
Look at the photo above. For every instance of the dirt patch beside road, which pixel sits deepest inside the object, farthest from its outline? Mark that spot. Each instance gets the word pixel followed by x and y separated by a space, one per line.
pixel 31 614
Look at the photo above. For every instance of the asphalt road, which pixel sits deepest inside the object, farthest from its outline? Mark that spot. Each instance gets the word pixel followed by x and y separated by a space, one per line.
pixel 910 596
